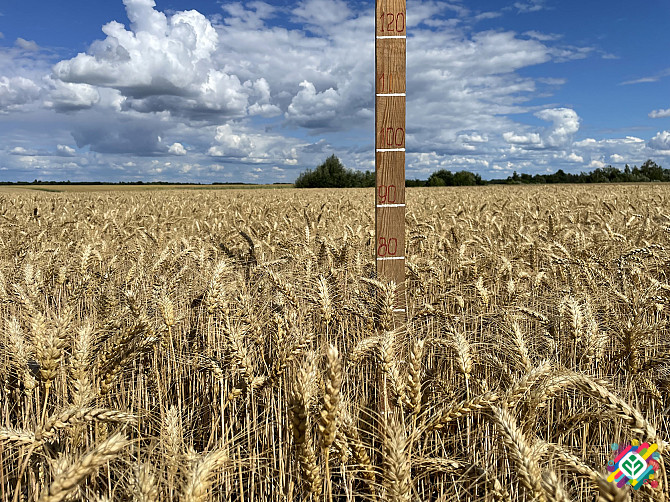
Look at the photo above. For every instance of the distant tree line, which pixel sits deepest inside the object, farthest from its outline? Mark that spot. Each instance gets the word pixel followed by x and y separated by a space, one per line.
pixel 649 171
pixel 332 174
pixel 444 178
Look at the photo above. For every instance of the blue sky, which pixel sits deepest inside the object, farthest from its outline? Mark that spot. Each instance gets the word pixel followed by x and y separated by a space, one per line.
pixel 199 91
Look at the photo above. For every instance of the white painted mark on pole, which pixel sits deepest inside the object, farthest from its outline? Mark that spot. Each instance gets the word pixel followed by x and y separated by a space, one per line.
pixel 392 36
pixel 391 258
pixel 393 94
pixel 390 205
pixel 390 149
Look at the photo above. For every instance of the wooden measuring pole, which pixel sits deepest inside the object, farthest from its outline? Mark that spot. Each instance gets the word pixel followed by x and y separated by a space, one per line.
pixel 390 50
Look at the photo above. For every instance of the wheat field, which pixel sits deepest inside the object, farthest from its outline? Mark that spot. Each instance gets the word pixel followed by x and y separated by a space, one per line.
pixel 235 345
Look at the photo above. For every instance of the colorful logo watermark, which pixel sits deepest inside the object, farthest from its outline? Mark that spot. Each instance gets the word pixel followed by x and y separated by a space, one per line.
pixel 634 464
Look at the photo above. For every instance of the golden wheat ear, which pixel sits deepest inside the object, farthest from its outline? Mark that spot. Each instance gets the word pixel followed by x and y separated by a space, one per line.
pixel 201 475
pixel 521 454
pixel 609 492
pixel 396 474
pixel 72 476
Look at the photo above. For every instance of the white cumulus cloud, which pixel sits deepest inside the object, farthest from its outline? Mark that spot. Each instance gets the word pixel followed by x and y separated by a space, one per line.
pixel 310 108
pixel 19 150
pixel 261 91
pixel 17 91
pixel 177 149
pixel 522 139
pixel 66 97
pixel 475 137
pixel 230 144
pixel 240 143
pixel 565 125
pixel 161 63
pixel 659 114
pixel 661 141
pixel 65 151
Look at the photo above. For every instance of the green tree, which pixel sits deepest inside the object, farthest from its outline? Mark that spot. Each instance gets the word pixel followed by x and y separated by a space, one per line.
pixel 441 178
pixel 652 171
pixel 435 181
pixel 333 174
pixel 464 178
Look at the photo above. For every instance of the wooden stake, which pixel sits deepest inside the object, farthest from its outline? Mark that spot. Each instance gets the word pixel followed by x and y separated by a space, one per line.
pixel 390 55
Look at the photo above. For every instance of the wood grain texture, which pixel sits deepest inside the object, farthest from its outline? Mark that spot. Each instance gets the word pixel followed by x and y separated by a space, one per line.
pixel 391 18
pixel 390 119
pixel 390 232
pixel 390 243
pixel 390 77
pixel 390 170
pixel 390 58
